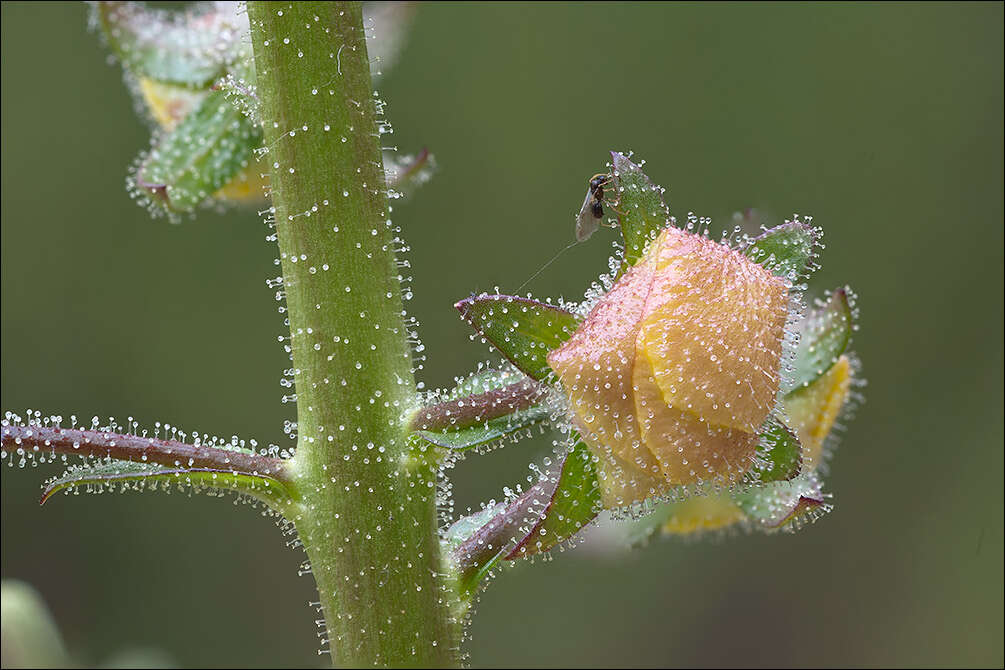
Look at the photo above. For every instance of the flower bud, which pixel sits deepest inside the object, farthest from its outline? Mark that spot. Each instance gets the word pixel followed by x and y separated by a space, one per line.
pixel 672 373
pixel 169 104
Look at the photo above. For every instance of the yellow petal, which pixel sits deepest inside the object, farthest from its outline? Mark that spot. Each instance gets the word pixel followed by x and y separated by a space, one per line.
pixel 248 186
pixel 814 409
pixel 621 483
pixel 169 104
pixel 704 513
pixel 713 330
pixel 595 368
pixel 688 449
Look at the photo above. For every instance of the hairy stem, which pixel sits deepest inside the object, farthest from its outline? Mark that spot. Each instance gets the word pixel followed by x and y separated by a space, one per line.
pixel 479 407
pixel 140 449
pixel 367 516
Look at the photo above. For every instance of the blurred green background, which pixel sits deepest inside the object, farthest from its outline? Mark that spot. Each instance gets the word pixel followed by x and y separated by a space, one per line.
pixel 883 121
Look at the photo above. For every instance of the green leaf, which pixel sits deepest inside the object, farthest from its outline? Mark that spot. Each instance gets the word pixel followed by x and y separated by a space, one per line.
pixel 637 531
pixel 780 451
pixel 642 213
pixel 574 503
pixel 786 250
pixel 523 330
pixel 210 147
pixel 462 529
pixel 823 336
pixel 187 48
pixel 106 476
pixel 563 501
pixel 462 439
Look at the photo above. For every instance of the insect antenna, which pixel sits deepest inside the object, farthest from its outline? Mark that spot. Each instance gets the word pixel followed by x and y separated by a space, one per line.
pixel 545 266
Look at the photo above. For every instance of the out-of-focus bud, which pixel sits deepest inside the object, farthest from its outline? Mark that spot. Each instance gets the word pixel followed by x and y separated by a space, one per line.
pixel 169 104
pixel 29 634
pixel 673 372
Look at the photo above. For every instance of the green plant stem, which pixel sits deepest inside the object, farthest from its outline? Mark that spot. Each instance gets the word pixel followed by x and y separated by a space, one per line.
pixel 367 518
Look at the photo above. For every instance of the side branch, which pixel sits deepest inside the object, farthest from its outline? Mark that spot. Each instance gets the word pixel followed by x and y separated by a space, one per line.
pixel 140 449
pixel 480 407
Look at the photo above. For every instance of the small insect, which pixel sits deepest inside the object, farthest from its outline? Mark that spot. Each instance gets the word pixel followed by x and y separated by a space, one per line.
pixel 592 211
pixel 589 219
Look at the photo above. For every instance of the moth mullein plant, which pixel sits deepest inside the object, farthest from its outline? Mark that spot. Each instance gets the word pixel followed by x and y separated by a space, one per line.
pixel 695 387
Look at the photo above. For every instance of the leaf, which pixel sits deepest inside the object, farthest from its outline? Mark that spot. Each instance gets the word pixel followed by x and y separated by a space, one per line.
pixel 637 531
pixel 780 450
pixel 574 504
pixel 107 475
pixel 462 529
pixel 823 336
pixel 192 48
pixel 462 439
pixel 523 330
pixel 642 213
pixel 785 504
pixel 210 147
pixel 484 538
pixel 563 501
pixel 786 250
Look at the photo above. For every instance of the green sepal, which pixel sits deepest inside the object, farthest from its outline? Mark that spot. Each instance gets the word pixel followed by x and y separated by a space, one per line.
pixel 191 49
pixel 779 451
pixel 787 250
pixel 574 503
pixel 783 505
pixel 461 531
pixel 639 204
pixel 204 153
pixel 638 531
pixel 523 330
pixel 106 476
pixel 823 336
pixel 564 500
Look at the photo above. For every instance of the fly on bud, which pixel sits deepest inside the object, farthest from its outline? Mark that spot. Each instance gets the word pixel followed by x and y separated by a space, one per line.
pixel 673 372
pixel 591 214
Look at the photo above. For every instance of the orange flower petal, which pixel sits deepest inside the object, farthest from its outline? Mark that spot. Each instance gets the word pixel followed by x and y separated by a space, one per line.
pixel 713 330
pixel 689 450
pixel 595 367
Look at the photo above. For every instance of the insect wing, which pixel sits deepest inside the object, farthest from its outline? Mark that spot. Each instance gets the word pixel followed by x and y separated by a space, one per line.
pixel 586 222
